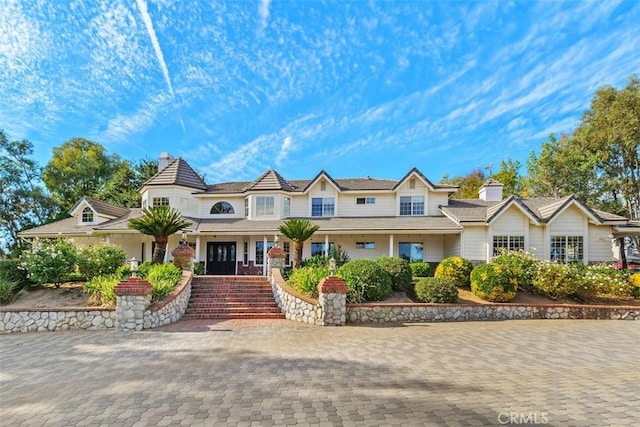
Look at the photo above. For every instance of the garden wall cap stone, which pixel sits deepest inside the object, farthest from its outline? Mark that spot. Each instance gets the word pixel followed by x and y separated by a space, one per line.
pixel 184 250
pixel 276 252
pixel 133 286
pixel 333 285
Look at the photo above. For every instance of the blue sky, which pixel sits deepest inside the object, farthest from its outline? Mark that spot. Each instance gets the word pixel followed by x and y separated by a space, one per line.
pixel 356 88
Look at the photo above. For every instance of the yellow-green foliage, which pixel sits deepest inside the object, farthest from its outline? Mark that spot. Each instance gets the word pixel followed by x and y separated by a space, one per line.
pixel 434 290
pixel 100 289
pixel 492 282
pixel 455 269
pixel 306 279
pixel 635 285
pixel 163 278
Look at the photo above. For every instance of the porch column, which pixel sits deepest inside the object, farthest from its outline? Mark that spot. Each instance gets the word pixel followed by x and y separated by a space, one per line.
pixel 197 249
pixel 264 256
pixel 326 245
pixel 107 239
pixel 390 244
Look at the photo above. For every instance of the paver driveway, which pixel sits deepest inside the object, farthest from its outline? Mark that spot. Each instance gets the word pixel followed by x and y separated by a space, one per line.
pixel 554 372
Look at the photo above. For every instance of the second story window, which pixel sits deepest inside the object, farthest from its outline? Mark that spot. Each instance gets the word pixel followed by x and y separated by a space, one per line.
pixel 246 207
pixel 265 206
pixel 160 201
pixel 411 205
pixel 286 207
pixel 222 208
pixel 323 206
pixel 87 215
pixel 365 201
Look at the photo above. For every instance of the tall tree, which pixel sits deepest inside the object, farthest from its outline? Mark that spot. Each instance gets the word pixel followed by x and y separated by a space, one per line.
pixel 122 188
pixel 509 176
pixel 159 222
pixel 23 200
pixel 469 185
pixel 610 132
pixel 298 231
pixel 79 167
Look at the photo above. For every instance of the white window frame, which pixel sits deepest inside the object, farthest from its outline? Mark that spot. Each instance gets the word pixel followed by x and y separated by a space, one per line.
pixel 563 248
pixel 267 209
pixel 286 207
pixel 365 200
pixel 160 201
pixel 513 243
pixel 325 206
pixel 416 202
pixel 85 219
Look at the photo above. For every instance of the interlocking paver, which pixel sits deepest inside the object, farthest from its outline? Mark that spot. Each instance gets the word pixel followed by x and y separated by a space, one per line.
pixel 285 373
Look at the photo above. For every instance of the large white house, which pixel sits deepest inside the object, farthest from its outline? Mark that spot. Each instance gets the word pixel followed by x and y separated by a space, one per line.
pixel 235 223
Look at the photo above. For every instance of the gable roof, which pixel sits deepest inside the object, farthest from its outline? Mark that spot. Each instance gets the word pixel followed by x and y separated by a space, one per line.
pixel 270 180
pixel 416 171
pixel 322 174
pixel 101 208
pixel 178 172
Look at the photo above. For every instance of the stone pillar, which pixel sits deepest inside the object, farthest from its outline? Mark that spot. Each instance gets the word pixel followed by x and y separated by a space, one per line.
pixel 133 296
pixel 183 257
pixel 332 292
pixel 275 259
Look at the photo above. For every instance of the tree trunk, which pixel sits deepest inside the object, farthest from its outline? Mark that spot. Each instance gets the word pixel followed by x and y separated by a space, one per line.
pixel 160 250
pixel 297 254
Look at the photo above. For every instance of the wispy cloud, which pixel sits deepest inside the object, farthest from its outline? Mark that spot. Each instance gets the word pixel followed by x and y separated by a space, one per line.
pixel 285 148
pixel 263 12
pixel 146 18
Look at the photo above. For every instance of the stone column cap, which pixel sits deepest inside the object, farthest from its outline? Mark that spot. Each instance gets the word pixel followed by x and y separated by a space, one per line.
pixel 333 285
pixel 133 286
pixel 276 252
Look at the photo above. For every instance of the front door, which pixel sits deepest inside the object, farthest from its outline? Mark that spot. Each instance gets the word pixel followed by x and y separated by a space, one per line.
pixel 221 258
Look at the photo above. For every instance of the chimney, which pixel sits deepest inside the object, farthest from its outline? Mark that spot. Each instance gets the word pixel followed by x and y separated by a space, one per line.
pixel 491 191
pixel 164 160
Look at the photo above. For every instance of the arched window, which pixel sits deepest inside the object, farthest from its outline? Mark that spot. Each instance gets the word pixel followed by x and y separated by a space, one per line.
pixel 87 215
pixel 222 208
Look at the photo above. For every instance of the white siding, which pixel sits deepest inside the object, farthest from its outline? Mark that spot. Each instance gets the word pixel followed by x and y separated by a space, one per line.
pixel 177 198
pixel 600 249
pixel 205 205
pixel 474 241
pixel 536 241
pixel 511 223
pixel 384 205
pixel 405 190
pixel 299 206
pixel 316 191
pixel 435 200
pixel 451 245
pixel 569 222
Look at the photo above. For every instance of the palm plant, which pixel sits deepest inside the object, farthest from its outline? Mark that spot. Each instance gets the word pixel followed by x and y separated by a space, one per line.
pixel 159 222
pixel 298 230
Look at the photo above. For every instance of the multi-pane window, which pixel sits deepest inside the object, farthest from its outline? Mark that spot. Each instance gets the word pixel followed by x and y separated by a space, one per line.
pixel 365 200
pixel 509 243
pixel 411 251
pixel 365 245
pixel 246 207
pixel 412 205
pixel 286 207
pixel 318 248
pixel 160 201
pixel 222 208
pixel 322 206
pixel 286 247
pixel 260 251
pixel 265 206
pixel 245 258
pixel 87 215
pixel 567 248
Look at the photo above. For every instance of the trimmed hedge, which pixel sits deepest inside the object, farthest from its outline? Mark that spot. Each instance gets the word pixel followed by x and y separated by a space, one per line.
pixel 522 265
pixel 399 271
pixel 456 269
pixel 436 290
pixel 366 280
pixel 556 280
pixel 420 269
pixel 492 282
pixel 306 279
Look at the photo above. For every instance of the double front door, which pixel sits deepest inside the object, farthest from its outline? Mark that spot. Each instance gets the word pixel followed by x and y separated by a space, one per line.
pixel 221 258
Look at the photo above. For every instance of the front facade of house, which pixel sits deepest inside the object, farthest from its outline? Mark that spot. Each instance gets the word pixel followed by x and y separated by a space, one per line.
pixel 234 224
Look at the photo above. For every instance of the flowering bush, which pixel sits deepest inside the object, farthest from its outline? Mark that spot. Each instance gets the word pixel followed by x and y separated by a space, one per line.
pixel 634 280
pixel 456 269
pixel 366 280
pixel 492 282
pixel 51 262
pixel 432 289
pixel 556 280
pixel 399 271
pixel 306 279
pixel 521 265
pixel 604 281
pixel 100 259
pixel 420 269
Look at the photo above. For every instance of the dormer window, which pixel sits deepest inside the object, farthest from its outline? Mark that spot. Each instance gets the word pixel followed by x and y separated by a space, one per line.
pixel 87 215
pixel 160 201
pixel 222 208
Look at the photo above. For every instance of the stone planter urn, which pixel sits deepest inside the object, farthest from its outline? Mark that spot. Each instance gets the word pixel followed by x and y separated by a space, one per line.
pixel 183 257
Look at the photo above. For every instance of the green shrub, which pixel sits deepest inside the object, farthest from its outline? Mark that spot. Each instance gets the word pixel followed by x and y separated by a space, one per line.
pixel 433 289
pixel 123 272
pixel 399 271
pixel 316 261
pixel 11 270
pixel 456 269
pixel 100 259
pixel 492 282
pixel 198 268
pixel 337 253
pixel 7 290
pixel 604 281
pixel 522 265
pixel 634 281
pixel 100 290
pixel 306 279
pixel 366 281
pixel 556 280
pixel 51 262
pixel 163 278
pixel 420 269
pixel 143 269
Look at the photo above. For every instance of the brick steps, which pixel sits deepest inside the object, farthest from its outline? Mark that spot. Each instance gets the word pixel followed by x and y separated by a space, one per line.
pixel 232 297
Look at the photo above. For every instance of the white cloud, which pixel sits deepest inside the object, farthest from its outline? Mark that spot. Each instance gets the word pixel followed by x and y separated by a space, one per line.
pixel 146 18
pixel 284 150
pixel 263 11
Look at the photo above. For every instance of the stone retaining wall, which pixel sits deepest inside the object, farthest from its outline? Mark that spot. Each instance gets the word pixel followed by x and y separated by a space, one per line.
pixel 383 313
pixel 169 310
pixel 172 307
pixel 293 304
